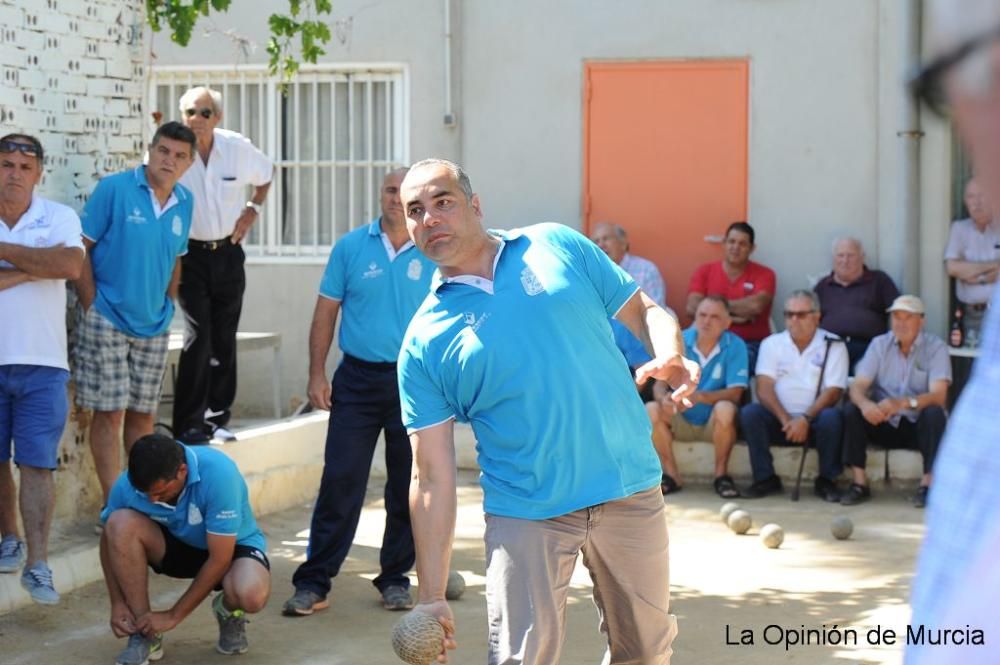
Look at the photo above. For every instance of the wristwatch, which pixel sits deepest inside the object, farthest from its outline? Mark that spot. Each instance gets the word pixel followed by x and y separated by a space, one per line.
pixel 913 403
pixel 255 206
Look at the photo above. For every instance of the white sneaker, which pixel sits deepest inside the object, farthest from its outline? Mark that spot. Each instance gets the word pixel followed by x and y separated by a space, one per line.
pixel 13 554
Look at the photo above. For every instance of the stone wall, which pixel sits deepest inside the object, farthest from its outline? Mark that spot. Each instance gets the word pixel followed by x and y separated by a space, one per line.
pixel 72 73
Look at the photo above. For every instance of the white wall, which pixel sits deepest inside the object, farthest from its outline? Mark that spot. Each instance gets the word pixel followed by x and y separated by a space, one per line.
pixel 825 93
pixel 72 73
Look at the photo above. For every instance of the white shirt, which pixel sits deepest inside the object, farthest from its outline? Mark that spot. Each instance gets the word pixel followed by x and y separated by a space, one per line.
pixel 33 331
pixel 796 374
pixel 220 187
pixel 967 243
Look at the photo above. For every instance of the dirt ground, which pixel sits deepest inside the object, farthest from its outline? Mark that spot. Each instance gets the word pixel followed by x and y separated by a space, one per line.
pixel 719 579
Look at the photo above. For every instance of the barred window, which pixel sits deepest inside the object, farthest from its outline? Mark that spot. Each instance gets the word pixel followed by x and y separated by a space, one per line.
pixel 333 137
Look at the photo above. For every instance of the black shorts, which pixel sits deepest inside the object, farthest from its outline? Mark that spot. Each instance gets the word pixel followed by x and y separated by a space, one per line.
pixel 184 561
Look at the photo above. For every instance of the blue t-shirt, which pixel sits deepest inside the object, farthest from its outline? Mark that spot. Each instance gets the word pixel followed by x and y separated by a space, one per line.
pixel 135 252
pixel 214 500
pixel 533 367
pixel 725 369
pixel 630 346
pixel 378 294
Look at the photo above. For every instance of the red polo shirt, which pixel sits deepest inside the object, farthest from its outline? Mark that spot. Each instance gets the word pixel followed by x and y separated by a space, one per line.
pixel 711 280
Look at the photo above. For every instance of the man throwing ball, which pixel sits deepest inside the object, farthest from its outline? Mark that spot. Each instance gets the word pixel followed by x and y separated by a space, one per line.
pixel 184 512
pixel 514 338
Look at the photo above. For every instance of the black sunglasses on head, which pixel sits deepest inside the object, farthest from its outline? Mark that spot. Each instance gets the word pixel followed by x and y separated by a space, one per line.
pixel 927 85
pixel 204 112
pixel 28 149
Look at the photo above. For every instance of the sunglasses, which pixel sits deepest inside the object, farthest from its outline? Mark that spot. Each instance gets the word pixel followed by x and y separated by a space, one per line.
pixel 24 148
pixel 203 112
pixel 927 85
pixel 790 314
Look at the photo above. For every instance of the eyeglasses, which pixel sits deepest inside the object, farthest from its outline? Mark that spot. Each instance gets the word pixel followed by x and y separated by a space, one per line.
pixel 204 112
pixel 24 148
pixel 927 84
pixel 801 314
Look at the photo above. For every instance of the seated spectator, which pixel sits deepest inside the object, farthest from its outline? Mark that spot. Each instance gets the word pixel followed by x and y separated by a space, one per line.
pixel 801 375
pixel 614 241
pixel 184 513
pixel 748 286
pixel 723 360
pixel 897 397
pixel 853 299
pixel 972 257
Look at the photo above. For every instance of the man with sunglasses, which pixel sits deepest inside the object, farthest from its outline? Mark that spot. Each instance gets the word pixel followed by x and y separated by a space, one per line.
pixel 957 578
pixel 135 227
pixel 801 375
pixel 40 248
pixel 213 278
pixel 184 513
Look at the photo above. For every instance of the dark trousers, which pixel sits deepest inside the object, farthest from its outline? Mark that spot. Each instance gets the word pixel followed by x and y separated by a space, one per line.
pixel 761 428
pixel 211 293
pixel 923 435
pixel 856 348
pixel 365 402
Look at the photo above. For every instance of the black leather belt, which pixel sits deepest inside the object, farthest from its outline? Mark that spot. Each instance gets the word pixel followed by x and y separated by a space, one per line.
pixel 981 307
pixel 358 362
pixel 210 245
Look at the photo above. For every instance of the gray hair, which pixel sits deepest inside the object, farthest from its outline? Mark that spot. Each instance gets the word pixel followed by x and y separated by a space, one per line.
pixel 954 23
pixel 808 295
pixel 194 93
pixel 851 239
pixel 456 171
pixel 617 228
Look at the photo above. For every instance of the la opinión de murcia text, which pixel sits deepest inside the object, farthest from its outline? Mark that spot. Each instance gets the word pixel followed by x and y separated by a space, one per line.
pixel 790 637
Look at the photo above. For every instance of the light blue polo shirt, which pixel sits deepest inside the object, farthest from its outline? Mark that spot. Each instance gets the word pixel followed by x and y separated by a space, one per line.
pixel 378 293
pixel 630 346
pixel 214 500
pixel 725 369
pixel 135 252
pixel 533 367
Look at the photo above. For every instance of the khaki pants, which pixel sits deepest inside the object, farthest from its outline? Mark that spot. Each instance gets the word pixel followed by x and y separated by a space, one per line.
pixel 529 564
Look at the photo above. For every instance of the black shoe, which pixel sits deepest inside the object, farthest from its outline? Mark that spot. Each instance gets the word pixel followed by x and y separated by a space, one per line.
pixel 195 436
pixel 762 488
pixel 920 498
pixel 668 485
pixel 826 489
pixel 855 494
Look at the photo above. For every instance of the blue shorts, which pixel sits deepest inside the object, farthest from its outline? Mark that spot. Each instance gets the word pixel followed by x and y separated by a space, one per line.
pixel 33 409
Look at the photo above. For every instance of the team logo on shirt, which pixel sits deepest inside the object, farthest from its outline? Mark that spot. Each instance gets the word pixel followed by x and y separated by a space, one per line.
pixel 530 282
pixel 475 322
pixel 177 226
pixel 414 269
pixel 227 515
pixel 717 372
pixel 372 272
pixel 194 515
pixel 135 217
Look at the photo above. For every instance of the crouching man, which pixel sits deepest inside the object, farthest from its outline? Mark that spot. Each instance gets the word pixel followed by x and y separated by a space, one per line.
pixel 185 513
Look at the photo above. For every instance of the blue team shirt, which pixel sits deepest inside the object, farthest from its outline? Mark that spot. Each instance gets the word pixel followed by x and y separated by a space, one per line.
pixel 533 367
pixel 135 252
pixel 630 346
pixel 378 296
pixel 725 369
pixel 214 500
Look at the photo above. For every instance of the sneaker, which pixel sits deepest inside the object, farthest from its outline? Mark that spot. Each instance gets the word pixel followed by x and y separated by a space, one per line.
pixel 855 494
pixel 396 598
pixel 194 436
pixel 826 489
pixel 140 650
pixel 37 581
pixel 304 603
pixel 13 554
pixel 232 628
pixel 762 488
pixel 920 498
pixel 220 433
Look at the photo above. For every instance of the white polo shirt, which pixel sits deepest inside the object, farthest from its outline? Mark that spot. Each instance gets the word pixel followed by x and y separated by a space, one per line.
pixel 220 187
pixel 796 374
pixel 33 331
pixel 967 243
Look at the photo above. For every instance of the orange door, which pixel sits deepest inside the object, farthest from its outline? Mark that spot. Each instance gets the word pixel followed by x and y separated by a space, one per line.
pixel 665 156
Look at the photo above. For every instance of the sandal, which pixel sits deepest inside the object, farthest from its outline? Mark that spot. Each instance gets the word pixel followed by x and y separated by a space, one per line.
pixel 668 485
pixel 725 487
